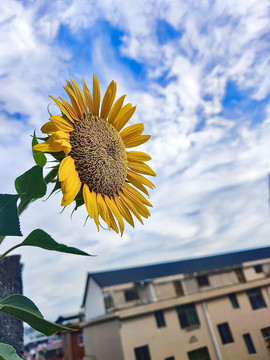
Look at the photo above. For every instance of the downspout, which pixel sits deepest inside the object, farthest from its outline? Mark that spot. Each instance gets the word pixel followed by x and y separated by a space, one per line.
pixel 211 329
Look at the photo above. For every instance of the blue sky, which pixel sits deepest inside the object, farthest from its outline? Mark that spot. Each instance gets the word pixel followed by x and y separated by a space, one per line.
pixel 199 75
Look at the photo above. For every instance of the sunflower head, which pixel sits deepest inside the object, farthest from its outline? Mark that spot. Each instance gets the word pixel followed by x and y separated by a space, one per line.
pixel 95 167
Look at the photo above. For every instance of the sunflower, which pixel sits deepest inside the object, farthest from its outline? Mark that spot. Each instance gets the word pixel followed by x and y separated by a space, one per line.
pixel 95 166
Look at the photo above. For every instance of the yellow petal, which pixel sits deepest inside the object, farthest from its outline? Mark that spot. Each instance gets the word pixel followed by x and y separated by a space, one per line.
pixel 124 211
pixel 90 200
pixel 61 123
pixel 130 189
pixel 80 97
pixel 130 206
pixel 102 209
pixel 53 147
pixel 88 98
pixel 141 179
pixel 49 128
pixel 62 108
pixel 116 108
pixel 66 167
pixel 137 156
pixel 74 100
pixel 70 109
pixel 141 168
pixel 108 100
pixel 123 117
pixel 132 131
pixel 96 95
pixel 140 207
pixel 136 141
pixel 137 183
pixel 66 147
pixel 58 136
pixel 112 206
pixel 70 188
pixel 112 222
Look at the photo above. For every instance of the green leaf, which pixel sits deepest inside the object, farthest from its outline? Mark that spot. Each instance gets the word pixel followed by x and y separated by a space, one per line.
pixel 7 352
pixel 40 238
pixel 24 309
pixel 38 156
pixel 9 219
pixel 31 184
pixel 43 240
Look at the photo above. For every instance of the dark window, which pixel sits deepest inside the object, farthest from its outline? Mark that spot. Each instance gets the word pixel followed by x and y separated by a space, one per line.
pixel 266 335
pixel 170 358
pixel 142 353
pixel 178 288
pixel 249 344
pixel 258 269
pixel 256 299
pixel 187 315
pixel 131 294
pixel 203 280
pixel 80 339
pixel 199 354
pixel 234 300
pixel 225 333
pixel 240 275
pixel 159 315
pixel 108 299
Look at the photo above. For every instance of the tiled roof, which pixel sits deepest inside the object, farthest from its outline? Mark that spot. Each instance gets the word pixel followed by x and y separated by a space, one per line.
pixel 147 272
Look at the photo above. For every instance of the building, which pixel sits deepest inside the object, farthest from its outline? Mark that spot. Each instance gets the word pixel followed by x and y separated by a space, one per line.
pixel 73 346
pixel 215 307
pixel 40 346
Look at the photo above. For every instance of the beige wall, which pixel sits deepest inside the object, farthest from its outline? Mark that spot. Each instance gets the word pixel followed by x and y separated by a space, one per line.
pixel 102 341
pixel 241 320
pixel 166 341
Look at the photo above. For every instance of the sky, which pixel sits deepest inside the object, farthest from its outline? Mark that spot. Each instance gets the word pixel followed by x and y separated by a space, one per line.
pixel 198 72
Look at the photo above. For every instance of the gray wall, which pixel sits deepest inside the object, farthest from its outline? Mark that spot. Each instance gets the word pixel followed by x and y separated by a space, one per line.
pixel 11 330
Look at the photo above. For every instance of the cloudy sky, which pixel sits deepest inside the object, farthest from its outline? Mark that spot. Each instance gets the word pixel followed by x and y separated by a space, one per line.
pixel 198 72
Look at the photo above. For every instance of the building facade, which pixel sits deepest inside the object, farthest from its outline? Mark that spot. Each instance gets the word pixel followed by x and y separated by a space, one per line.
pixel 214 308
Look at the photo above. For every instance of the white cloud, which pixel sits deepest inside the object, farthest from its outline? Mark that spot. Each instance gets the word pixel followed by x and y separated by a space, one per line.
pixel 211 193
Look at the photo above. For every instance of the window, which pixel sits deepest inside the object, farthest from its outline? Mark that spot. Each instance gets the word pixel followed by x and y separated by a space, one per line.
pixel 80 339
pixel 142 353
pixel 199 354
pixel 240 275
pixel 258 269
pixel 203 280
pixel 249 344
pixel 256 299
pixel 266 335
pixel 187 315
pixel 234 301
pixel 108 299
pixel 159 315
pixel 178 288
pixel 131 294
pixel 225 333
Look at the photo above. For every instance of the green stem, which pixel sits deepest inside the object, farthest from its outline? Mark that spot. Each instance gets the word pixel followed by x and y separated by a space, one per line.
pixel 8 251
pixel 2 238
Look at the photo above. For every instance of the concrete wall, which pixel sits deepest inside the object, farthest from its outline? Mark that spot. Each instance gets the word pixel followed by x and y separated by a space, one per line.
pixel 166 341
pixel 102 341
pixel 94 305
pixel 241 320
pixel 11 329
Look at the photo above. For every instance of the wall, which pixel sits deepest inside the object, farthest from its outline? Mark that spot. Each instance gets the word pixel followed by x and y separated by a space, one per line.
pixel 166 341
pixel 11 331
pixel 241 320
pixel 102 341
pixel 94 305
